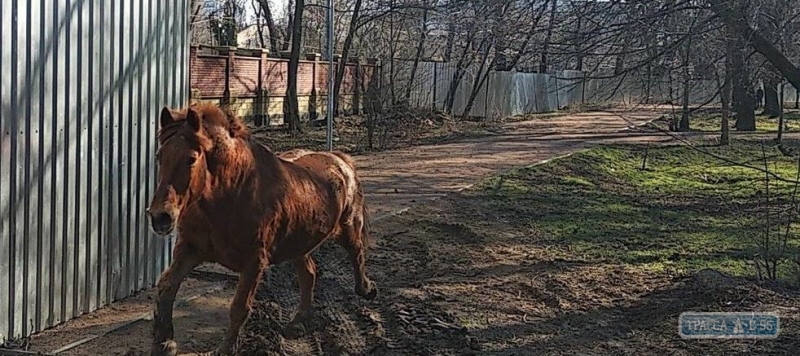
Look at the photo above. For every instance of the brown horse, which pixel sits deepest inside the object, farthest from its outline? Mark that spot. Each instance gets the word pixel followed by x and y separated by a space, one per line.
pixel 235 202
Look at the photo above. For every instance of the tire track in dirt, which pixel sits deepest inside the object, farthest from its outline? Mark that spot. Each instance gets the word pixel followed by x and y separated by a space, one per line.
pixel 345 323
pixel 338 319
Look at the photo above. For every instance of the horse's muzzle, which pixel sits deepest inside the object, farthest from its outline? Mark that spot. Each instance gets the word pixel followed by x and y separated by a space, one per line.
pixel 162 223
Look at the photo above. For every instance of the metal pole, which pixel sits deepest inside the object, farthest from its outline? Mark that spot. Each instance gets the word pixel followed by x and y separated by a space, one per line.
pixel 329 136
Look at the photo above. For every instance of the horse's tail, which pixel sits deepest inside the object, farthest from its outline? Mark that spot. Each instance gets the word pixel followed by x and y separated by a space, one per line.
pixel 366 236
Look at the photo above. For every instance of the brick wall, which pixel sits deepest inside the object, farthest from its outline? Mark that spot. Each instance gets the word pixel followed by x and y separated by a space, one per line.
pixel 255 85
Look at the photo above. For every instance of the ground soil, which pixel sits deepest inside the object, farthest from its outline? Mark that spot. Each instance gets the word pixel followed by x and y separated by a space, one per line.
pixel 444 288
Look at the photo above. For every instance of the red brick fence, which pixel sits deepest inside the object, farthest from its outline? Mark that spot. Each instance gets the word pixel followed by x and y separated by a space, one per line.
pixel 255 84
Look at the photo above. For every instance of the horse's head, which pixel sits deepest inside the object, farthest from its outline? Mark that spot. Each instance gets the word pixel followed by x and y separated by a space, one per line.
pixel 189 141
pixel 181 167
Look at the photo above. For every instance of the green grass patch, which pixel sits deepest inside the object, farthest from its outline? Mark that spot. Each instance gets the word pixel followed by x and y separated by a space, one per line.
pixel 764 124
pixel 685 211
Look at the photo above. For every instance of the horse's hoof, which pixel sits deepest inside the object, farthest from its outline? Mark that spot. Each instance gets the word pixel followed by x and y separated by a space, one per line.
pixel 368 293
pixel 372 293
pixel 166 348
pixel 294 330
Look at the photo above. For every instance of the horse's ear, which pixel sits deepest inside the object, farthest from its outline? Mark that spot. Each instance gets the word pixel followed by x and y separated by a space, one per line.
pixel 193 120
pixel 166 117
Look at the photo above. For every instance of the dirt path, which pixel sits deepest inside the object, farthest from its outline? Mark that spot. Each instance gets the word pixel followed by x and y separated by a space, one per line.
pixel 395 181
pixel 399 178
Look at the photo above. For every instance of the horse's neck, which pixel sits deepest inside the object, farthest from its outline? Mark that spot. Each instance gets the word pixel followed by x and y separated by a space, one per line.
pixel 243 166
pixel 232 167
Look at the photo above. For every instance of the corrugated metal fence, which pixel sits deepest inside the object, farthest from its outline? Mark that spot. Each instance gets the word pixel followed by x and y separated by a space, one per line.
pixel 501 94
pixel 82 85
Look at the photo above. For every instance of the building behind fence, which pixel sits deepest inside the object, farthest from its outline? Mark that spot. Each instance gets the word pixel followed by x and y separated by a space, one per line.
pixel 82 85
pixel 255 84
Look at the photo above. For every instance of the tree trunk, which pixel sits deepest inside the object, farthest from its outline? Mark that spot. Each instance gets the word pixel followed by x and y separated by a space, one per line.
pixel 683 125
pixel 373 107
pixel 578 47
pixel 725 136
pixel 736 23
pixel 259 28
pixel 348 41
pixel 420 49
pixel 292 107
pixel 744 102
pixel 501 60
pixel 670 84
pixel 543 62
pixel 289 24
pixel 619 62
pixel 725 96
pixel 451 37
pixel 780 115
pixel 743 94
pixel 771 106
pixel 273 31
pixel 392 55
pixel 479 81
pixel 458 74
pixel 648 84
pixel 796 98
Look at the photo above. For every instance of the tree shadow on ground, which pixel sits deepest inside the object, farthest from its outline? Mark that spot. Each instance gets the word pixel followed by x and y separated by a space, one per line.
pixel 649 324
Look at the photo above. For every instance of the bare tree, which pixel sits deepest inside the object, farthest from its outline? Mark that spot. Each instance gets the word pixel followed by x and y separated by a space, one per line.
pixel 291 106
pixel 423 34
pixel 731 13
pixel 506 34
pixel 683 125
pixel 266 13
pixel 291 10
pixel 551 25
pixel 226 20
pixel 348 41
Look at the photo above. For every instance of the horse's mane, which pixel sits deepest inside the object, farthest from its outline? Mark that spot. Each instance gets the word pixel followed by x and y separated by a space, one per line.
pixel 212 116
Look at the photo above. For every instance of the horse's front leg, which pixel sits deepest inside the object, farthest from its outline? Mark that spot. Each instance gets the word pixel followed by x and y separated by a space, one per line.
pixel 241 305
pixel 184 260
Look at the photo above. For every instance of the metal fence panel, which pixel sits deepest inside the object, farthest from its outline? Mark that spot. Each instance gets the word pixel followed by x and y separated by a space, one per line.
pixel 500 94
pixel 5 159
pixel 82 84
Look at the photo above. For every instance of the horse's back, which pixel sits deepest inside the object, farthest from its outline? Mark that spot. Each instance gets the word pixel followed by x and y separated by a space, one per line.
pixel 336 161
pixel 338 169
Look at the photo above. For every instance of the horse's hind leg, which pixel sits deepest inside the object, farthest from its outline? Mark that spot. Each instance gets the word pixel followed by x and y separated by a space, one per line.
pixel 184 260
pixel 352 240
pixel 306 276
